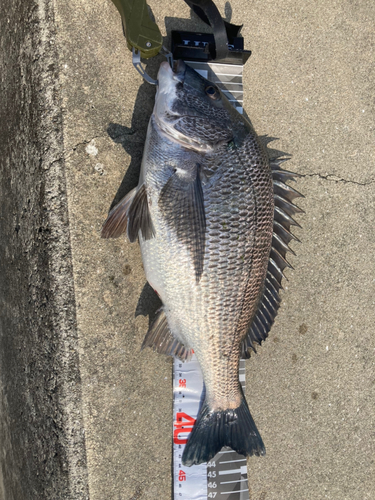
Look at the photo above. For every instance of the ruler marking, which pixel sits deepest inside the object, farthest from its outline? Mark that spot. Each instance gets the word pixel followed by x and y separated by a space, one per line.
pixel 229 83
pixel 230 482
pixel 235 491
pixel 232 461
pixel 229 471
pixel 228 74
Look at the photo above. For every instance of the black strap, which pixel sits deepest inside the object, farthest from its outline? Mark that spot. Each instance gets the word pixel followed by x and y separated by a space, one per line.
pixel 208 12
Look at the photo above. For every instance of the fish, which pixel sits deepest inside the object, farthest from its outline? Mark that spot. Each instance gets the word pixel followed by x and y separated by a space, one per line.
pixel 213 216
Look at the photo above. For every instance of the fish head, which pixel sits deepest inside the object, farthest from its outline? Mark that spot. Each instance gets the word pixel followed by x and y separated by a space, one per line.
pixel 191 110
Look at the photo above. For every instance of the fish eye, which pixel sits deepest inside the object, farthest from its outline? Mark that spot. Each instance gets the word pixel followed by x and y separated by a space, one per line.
pixel 212 92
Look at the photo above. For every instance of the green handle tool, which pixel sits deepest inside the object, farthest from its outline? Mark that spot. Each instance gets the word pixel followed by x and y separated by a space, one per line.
pixel 142 34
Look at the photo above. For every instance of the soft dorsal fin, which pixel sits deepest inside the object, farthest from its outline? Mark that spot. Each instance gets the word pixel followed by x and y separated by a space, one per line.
pixel 131 214
pixel 270 302
pixel 181 201
pixel 161 339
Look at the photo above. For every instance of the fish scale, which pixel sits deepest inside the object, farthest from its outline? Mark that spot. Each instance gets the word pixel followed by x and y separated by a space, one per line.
pixel 213 218
pixel 216 304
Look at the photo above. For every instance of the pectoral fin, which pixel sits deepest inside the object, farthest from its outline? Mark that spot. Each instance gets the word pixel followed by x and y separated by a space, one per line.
pixel 131 214
pixel 181 201
pixel 139 217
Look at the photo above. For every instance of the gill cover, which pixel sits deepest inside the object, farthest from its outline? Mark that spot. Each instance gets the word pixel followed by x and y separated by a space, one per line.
pixel 191 110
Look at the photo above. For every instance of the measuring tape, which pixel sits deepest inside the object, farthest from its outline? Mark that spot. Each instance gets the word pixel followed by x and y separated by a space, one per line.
pixel 225 476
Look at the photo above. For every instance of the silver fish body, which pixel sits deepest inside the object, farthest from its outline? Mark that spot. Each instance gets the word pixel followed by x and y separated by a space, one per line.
pixel 211 316
pixel 204 214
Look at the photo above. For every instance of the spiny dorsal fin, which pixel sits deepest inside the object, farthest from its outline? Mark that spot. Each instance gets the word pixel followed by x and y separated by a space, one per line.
pixel 181 201
pixel 266 139
pixel 270 303
pixel 161 339
pixel 131 214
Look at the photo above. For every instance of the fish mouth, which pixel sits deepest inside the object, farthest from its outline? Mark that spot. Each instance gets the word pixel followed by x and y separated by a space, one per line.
pixel 169 79
pixel 166 73
pixel 179 70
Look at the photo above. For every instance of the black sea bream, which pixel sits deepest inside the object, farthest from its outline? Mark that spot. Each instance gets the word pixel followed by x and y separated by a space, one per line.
pixel 212 215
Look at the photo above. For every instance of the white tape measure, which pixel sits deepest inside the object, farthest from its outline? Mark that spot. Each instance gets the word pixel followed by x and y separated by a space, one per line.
pixel 225 476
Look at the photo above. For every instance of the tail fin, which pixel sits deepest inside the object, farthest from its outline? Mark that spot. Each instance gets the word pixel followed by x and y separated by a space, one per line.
pixel 215 429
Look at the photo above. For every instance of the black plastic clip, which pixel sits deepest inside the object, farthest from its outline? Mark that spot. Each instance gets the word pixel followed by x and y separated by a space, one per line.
pixel 224 45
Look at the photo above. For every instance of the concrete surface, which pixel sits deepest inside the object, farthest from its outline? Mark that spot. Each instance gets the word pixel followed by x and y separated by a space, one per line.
pixel 42 452
pixel 310 82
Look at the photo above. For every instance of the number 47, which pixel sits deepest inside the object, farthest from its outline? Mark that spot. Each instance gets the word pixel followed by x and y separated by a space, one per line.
pixel 212 494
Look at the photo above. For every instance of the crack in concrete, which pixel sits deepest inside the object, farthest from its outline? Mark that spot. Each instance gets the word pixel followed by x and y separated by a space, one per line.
pixel 73 149
pixel 86 142
pixel 334 178
pixel 328 177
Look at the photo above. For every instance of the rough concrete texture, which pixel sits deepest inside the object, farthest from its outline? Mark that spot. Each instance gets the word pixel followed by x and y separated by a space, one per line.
pixel 310 82
pixel 42 453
